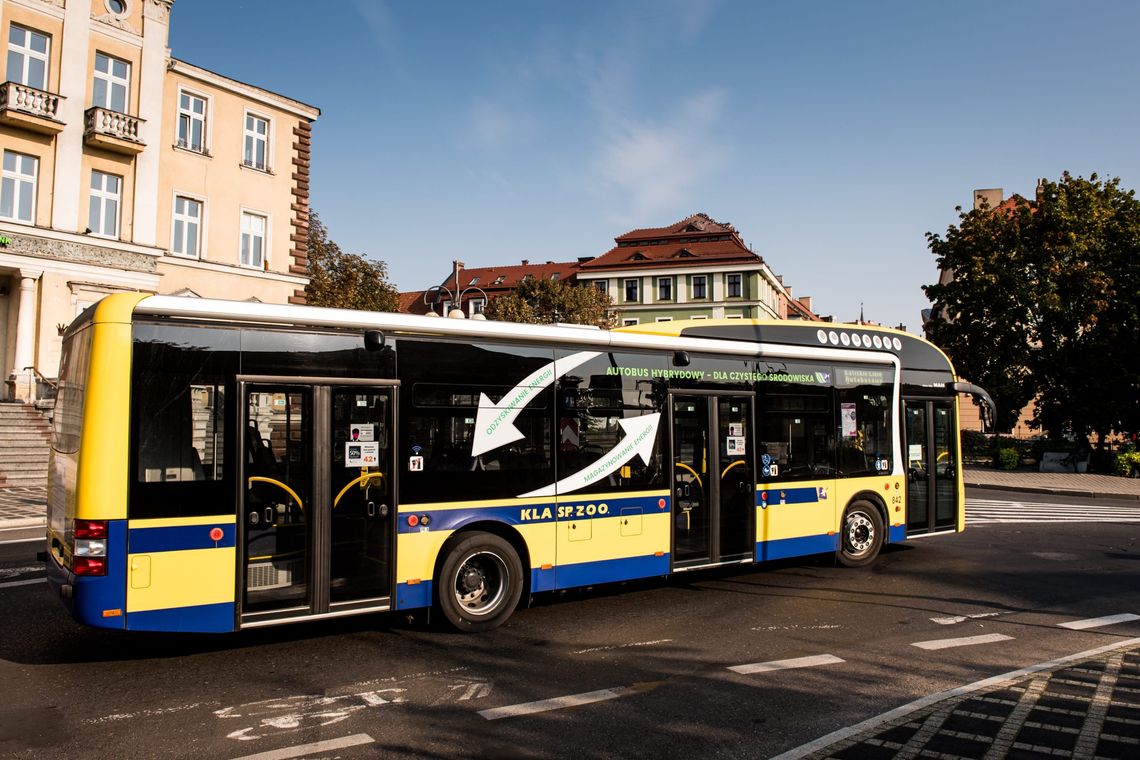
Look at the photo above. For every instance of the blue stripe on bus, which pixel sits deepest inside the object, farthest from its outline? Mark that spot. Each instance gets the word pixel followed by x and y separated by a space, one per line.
pixel 610 570
pixel 530 514
pixel 410 596
pixel 795 547
pixel 765 495
pixel 181 537
pixel 101 600
pixel 204 618
pixel 541 580
pixel 897 533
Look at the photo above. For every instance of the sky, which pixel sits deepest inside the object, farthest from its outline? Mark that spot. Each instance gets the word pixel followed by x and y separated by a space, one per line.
pixel 832 135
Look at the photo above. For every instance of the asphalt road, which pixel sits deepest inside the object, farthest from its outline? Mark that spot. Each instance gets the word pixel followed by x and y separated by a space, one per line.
pixel 637 670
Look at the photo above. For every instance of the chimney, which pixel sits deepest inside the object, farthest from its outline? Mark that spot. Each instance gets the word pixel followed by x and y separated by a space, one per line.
pixel 789 289
pixel 1040 193
pixel 992 196
pixel 525 262
pixel 806 301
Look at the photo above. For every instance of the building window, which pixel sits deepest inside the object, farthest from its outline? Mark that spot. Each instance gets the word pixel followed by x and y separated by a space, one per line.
pixel 629 321
pixel 734 316
pixel 733 286
pixel 116 7
pixel 631 290
pixel 187 233
pixel 191 122
pixel 556 275
pixel 18 188
pixel 664 319
pixel 103 204
pixel 476 306
pixel 699 316
pixel 253 228
pixel 699 285
pixel 27 57
pixel 112 83
pixel 256 151
pixel 601 286
pixel 664 288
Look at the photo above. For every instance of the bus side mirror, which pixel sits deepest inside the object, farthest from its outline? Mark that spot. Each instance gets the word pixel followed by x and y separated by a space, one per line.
pixel 374 340
pixel 680 358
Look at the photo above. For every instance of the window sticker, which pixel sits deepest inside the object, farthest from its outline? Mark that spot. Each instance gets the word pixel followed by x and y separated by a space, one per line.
pixel 361 454
pixel 735 445
pixel 362 431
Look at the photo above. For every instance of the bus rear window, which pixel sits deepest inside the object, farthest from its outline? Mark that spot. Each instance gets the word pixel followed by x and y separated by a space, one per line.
pixel 67 425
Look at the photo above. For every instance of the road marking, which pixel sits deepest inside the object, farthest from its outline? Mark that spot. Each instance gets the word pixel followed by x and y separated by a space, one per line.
pixel 1080 625
pixel 622 646
pixel 932 699
pixel 11 584
pixel 797 662
pixel 7 571
pixel 951 620
pixel 981 511
pixel 314 748
pixel 988 638
pixel 558 703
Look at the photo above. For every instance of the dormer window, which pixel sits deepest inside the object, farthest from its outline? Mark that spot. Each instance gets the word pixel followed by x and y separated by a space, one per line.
pixel 500 280
pixel 474 280
pixel 556 275
pixel 683 254
pixel 638 256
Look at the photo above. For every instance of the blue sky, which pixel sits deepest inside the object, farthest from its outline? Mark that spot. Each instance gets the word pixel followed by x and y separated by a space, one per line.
pixel 832 135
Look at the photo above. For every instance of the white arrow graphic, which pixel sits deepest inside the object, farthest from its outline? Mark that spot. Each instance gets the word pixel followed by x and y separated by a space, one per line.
pixel 640 433
pixel 494 423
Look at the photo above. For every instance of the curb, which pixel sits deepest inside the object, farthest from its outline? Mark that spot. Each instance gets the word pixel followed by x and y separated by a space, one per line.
pixel 22 522
pixel 1054 491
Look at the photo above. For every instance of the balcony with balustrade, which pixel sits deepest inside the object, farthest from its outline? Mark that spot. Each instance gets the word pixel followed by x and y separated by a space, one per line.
pixel 31 109
pixel 111 130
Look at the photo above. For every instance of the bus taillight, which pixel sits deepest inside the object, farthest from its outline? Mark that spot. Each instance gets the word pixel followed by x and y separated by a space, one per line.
pixel 91 529
pixel 89 565
pixel 89 554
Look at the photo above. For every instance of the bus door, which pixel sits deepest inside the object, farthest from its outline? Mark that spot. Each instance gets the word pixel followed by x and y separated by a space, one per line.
pixel 932 466
pixel 713 477
pixel 317 497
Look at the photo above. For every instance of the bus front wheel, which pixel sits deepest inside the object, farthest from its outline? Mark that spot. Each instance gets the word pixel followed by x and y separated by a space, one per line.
pixel 861 535
pixel 480 582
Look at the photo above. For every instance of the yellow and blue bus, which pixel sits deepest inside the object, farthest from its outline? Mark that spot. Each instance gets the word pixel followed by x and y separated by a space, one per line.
pixel 218 466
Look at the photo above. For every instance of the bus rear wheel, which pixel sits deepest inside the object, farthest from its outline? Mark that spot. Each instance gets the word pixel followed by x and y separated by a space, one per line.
pixel 861 535
pixel 480 582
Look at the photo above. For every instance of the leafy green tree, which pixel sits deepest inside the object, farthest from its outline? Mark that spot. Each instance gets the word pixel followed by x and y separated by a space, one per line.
pixel 345 280
pixel 545 302
pixel 1045 303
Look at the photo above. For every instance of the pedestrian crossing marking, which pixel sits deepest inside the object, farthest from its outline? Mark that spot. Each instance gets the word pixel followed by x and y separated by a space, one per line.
pixel 983 511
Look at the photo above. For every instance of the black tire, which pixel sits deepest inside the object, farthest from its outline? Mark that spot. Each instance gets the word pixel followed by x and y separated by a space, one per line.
pixel 861 535
pixel 480 582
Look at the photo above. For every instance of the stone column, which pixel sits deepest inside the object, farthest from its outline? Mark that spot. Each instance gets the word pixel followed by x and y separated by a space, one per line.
pixel 22 383
pixel 152 78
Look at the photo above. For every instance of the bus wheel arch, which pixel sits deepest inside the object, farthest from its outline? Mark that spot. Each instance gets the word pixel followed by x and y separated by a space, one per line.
pixel 480 576
pixel 862 530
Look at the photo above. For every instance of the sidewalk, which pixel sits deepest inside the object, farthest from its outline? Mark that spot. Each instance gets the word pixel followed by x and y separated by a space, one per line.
pixel 1061 483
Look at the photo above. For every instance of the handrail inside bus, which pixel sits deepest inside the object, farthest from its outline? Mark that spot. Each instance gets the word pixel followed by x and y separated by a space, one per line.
pixel 259 479
pixel 351 483
pixel 979 393
pixel 690 469
pixel 734 464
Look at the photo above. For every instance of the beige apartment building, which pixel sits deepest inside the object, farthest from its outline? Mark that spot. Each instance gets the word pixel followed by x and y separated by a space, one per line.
pixel 125 169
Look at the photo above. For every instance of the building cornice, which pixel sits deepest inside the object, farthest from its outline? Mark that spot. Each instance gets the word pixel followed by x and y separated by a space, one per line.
pixel 71 237
pixel 123 278
pixel 598 274
pixel 211 266
pixel 53 8
pixel 257 94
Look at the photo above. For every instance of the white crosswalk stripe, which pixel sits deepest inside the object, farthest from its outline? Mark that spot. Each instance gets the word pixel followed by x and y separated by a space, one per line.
pixel 982 511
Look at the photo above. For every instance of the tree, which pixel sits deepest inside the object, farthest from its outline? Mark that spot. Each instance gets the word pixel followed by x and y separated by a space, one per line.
pixel 545 302
pixel 345 280
pixel 1045 303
